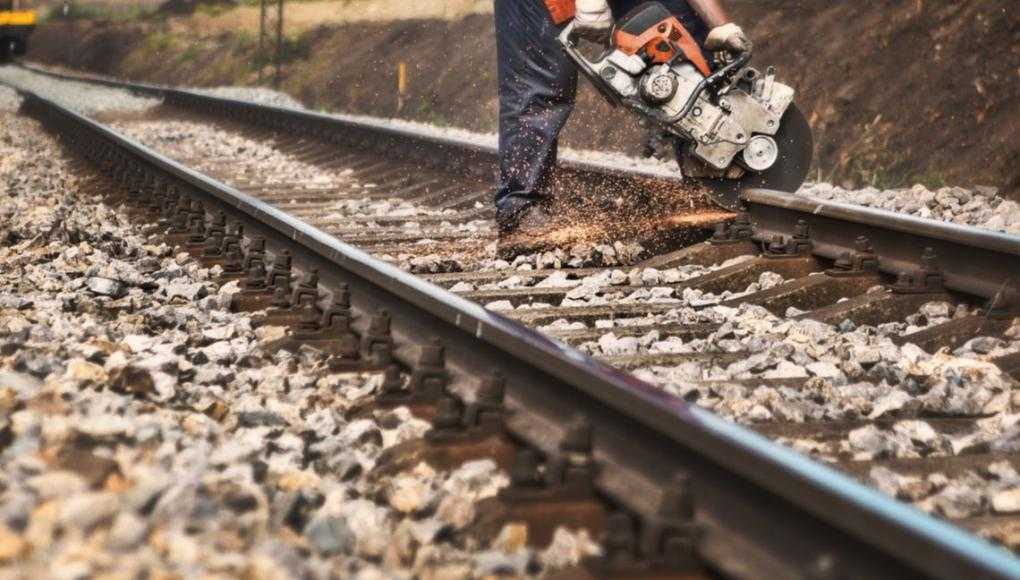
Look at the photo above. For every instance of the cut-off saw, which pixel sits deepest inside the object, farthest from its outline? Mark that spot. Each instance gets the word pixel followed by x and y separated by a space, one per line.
pixel 734 127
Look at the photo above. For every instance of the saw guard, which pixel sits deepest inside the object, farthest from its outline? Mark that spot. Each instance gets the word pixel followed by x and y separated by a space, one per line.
pixel 796 151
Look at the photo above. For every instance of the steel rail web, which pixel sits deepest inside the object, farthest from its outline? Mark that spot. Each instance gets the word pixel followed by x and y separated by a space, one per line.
pixel 804 515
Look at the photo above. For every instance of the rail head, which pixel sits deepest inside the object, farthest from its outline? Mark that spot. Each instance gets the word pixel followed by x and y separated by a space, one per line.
pixel 776 497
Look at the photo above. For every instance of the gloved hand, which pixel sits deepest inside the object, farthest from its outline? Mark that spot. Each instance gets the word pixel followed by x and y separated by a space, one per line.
pixel 592 19
pixel 728 37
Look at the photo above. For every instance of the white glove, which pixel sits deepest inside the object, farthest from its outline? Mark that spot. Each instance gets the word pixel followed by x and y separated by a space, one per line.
pixel 592 18
pixel 728 37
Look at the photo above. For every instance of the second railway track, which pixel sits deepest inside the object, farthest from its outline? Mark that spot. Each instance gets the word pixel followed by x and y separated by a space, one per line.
pixel 815 324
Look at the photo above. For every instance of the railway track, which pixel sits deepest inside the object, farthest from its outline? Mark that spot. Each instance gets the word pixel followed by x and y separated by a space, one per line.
pixel 788 261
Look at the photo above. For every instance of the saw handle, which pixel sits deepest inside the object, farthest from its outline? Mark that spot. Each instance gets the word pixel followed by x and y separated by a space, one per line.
pixel 568 39
pixel 713 82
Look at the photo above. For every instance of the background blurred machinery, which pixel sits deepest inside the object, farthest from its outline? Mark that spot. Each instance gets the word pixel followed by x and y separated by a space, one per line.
pixel 16 24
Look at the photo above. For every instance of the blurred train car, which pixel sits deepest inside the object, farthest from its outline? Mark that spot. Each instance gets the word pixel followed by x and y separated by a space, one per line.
pixel 16 24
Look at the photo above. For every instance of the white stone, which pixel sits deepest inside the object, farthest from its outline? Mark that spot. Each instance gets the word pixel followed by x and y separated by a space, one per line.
pixel 1006 501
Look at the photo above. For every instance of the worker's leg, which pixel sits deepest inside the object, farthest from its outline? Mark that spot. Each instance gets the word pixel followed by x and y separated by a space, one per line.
pixel 537 85
pixel 684 13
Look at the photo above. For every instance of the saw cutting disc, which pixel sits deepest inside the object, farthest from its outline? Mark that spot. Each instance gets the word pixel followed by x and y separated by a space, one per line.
pixel 793 147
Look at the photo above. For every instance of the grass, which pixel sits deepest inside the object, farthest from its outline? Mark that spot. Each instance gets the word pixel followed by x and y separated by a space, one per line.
pixel 191 53
pixel 296 48
pixel 103 12
pixel 245 38
pixel 423 111
pixel 213 8
pixel 160 42
pixel 896 179
pixel 258 2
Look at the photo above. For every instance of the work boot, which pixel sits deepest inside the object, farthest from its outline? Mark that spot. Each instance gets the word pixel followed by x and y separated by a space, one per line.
pixel 525 233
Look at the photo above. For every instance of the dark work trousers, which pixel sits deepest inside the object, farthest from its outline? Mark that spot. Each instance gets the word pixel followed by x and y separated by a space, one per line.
pixel 537 88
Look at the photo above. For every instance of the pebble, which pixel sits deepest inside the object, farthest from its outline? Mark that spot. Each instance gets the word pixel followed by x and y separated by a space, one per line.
pixel 370 526
pixel 10 100
pixel 568 548
pixel 56 484
pixel 19 382
pixel 330 535
pixel 12 545
pixel 83 511
pixel 84 371
pixel 127 532
pixel 473 481
pixel 105 287
pixel 1007 501
pixel 409 494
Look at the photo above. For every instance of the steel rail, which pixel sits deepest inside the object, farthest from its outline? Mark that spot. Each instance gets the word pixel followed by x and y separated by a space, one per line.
pixel 479 158
pixel 974 261
pixel 767 510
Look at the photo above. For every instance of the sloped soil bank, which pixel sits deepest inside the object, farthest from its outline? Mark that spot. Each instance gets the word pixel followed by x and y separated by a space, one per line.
pixel 897 92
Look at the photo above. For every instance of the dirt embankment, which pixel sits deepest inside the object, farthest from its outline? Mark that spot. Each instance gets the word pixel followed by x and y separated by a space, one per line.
pixel 897 91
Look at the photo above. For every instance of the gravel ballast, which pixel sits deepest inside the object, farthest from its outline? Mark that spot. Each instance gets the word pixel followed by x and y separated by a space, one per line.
pixel 777 349
pixel 893 395
pixel 257 95
pixel 149 432
pixel 10 100
pixel 981 207
pixel 216 150
pixel 85 98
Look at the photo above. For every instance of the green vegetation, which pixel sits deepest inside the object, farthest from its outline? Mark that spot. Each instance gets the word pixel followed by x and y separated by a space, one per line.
pixel 160 42
pixel 245 38
pixel 103 12
pixel 904 176
pixel 423 111
pixel 258 2
pixel 296 48
pixel 191 53
pixel 214 8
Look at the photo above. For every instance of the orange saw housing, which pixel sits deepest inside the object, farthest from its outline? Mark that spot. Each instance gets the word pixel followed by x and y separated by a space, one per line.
pixel 559 10
pixel 660 42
